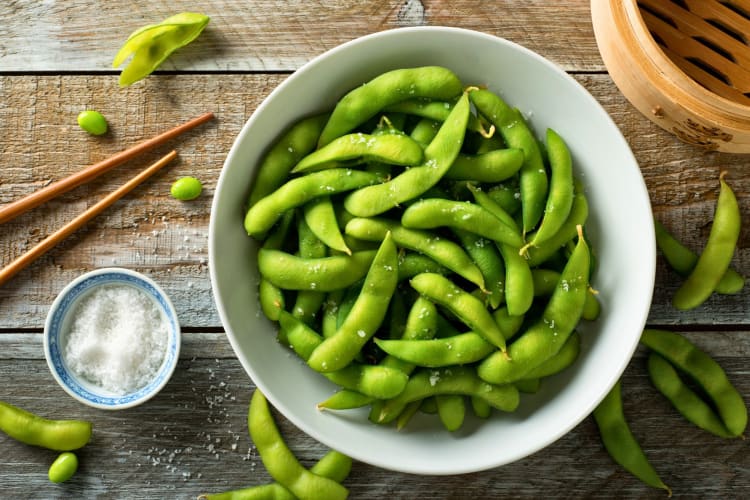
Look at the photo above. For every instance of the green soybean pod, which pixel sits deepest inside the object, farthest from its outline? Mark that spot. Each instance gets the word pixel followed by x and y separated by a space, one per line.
pixel 507 196
pixel 620 442
pixel 690 405
pixel 481 408
pixel 365 101
pixel 58 435
pixel 415 181
pixel 561 192
pixel 366 315
pixel 706 372
pixel 716 256
pixel 291 272
pixel 322 221
pixel 433 110
pixel 284 154
pixel 451 409
pixel 469 309
pixel 279 460
pixel 489 261
pixel 271 299
pixel 296 192
pixel 308 302
pixel 459 349
pixel 516 133
pixel 579 212
pixel 441 250
pixel 519 284
pixel 564 358
pixel 63 468
pixel 493 166
pixel 458 380
pixel 546 336
pixel 391 149
pixel 412 263
pixel 430 213
pixel 683 260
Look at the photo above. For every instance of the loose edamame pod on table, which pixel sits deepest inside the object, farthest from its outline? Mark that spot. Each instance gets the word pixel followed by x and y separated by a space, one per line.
pixel 92 122
pixel 620 442
pixel 59 435
pixel 714 261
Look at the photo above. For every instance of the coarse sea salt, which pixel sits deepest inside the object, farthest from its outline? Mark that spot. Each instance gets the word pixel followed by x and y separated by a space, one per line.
pixel 117 339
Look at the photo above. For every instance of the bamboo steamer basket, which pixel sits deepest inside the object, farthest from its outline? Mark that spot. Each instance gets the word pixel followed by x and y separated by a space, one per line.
pixel 685 64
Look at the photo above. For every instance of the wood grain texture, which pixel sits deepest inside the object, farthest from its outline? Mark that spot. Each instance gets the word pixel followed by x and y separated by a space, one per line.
pixel 273 35
pixel 192 438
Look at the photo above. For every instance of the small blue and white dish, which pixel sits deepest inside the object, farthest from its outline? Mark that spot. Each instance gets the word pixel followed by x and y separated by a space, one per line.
pixel 80 298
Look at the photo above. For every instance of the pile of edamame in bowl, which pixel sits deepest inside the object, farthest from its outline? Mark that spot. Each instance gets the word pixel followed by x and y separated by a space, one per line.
pixel 432 250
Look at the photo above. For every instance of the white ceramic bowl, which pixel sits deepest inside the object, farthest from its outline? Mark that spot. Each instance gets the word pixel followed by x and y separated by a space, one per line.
pixel 620 227
pixel 60 319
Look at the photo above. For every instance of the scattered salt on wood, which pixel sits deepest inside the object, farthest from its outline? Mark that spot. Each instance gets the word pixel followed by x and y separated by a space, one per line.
pixel 118 339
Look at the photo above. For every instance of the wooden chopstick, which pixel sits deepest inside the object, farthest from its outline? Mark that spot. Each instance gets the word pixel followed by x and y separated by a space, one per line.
pixel 50 241
pixel 36 198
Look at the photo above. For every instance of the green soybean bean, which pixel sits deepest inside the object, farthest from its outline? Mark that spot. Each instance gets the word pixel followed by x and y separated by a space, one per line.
pixel 430 213
pixel 284 154
pixel 413 182
pixel 366 315
pixel 538 255
pixel 63 468
pixel 516 133
pixel 620 442
pixel 151 45
pixel 451 408
pixel 279 460
pixel 392 149
pixel 379 382
pixel 564 358
pixel 493 166
pixel 441 250
pixel 519 284
pixel 58 435
pixel 546 336
pixel 683 260
pixel 291 272
pixel 469 309
pixel 690 405
pixel 717 254
pixel 410 264
pixel 298 191
pixel 560 196
pixel 457 380
pixel 706 372
pixel 92 122
pixel 489 261
pixel 321 218
pixel 365 101
pixel 186 188
pixel 460 349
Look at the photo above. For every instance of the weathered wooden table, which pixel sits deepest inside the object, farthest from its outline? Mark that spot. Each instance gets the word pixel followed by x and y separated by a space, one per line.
pixel 55 60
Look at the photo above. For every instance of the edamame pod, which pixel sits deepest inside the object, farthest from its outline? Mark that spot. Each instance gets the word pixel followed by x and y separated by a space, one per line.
pixel 489 261
pixel 441 250
pixel 284 154
pixel 365 317
pixel 716 256
pixel 298 191
pixel 461 349
pixel 413 182
pixel 454 380
pixel 493 166
pixel 451 408
pixel 322 221
pixel 706 372
pixel 430 213
pixel 279 460
pixel 290 272
pixel 58 435
pixel 392 149
pixel 579 212
pixel 365 101
pixel 469 309
pixel 690 405
pixel 546 336
pixel 620 442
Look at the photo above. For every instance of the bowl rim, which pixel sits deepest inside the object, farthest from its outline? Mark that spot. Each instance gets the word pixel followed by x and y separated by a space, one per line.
pixel 54 320
pixel 219 299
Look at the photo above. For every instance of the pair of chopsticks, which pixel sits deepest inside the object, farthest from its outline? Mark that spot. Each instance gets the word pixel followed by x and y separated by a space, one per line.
pixel 15 208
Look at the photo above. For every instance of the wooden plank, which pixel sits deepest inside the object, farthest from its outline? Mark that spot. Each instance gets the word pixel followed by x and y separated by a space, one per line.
pixel 192 438
pixel 268 35
pixel 151 232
